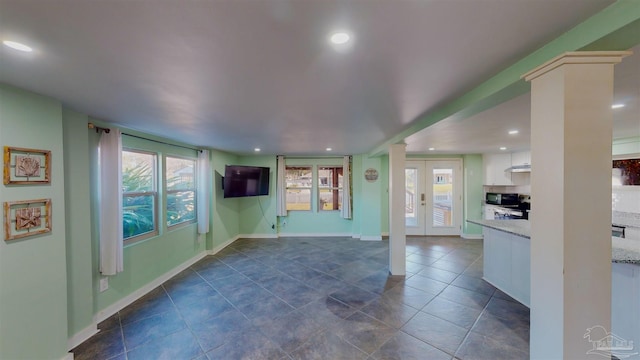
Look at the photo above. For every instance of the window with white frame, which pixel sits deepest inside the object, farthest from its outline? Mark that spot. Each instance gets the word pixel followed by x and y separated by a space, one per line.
pixel 330 187
pixel 140 194
pixel 181 190
pixel 299 181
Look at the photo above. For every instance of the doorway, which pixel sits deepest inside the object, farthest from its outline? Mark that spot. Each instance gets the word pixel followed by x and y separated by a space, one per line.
pixel 433 203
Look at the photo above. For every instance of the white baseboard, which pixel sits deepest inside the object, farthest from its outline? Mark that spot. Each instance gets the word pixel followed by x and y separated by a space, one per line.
pixel 471 236
pixel 124 302
pixel 315 235
pixel 258 236
pixel 217 249
pixel 69 356
pixel 82 335
pixel 371 238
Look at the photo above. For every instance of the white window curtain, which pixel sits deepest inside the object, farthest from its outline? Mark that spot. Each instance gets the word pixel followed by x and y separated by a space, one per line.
pixel 110 164
pixel 281 191
pixel 203 191
pixel 346 189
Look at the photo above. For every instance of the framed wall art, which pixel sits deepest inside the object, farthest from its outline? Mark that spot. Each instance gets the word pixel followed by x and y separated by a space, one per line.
pixel 26 218
pixel 26 166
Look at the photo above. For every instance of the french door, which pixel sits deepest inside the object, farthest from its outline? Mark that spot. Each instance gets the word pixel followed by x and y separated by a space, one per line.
pixel 433 197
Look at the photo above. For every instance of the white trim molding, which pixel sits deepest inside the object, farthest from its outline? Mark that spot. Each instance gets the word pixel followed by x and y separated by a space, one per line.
pixel 124 302
pixel 257 236
pixel 217 249
pixel 371 237
pixel 68 356
pixel 315 235
pixel 82 335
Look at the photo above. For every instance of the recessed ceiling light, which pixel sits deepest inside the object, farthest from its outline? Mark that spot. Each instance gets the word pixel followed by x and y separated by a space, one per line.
pixel 17 46
pixel 617 106
pixel 513 132
pixel 256 149
pixel 503 148
pixel 431 149
pixel 329 149
pixel 339 38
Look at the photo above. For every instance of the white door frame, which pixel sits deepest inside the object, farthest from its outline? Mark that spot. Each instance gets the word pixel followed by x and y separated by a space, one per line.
pixel 423 224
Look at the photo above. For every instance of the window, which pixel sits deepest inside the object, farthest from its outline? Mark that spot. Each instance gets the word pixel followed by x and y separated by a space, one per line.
pixel 299 181
pixel 329 188
pixel 140 195
pixel 181 190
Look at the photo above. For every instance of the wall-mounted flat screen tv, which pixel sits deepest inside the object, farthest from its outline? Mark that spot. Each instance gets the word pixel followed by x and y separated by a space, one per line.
pixel 241 181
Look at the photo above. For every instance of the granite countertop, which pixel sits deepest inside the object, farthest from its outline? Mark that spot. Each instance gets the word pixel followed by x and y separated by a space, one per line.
pixel 622 250
pixel 516 227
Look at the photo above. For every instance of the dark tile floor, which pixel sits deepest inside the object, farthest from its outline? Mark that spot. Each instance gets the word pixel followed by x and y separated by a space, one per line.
pixel 321 298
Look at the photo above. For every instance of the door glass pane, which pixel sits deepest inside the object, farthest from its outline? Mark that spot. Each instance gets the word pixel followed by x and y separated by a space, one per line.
pixel 442 197
pixel 411 197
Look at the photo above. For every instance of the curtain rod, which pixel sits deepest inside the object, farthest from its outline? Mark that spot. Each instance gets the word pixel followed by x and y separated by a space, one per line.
pixel 107 130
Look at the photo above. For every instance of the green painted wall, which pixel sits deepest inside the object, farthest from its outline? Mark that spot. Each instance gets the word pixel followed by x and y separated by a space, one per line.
pixel 225 224
pixel 384 198
pixel 146 260
pixel 33 273
pixel 78 221
pixel 370 199
pixel 473 179
pixel 314 222
pixel 250 209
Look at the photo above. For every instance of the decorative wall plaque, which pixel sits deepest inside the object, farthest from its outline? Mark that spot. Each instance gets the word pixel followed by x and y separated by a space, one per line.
pixel 26 166
pixel 26 218
pixel 371 175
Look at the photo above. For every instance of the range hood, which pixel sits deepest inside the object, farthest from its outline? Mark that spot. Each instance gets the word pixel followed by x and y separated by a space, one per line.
pixel 519 168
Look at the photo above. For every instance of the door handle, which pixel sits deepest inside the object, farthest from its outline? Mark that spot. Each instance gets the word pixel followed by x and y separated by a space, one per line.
pixel 422 199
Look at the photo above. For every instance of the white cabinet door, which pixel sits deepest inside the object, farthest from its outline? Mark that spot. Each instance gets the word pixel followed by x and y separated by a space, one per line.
pixel 521 158
pixel 497 258
pixel 521 269
pixel 494 169
pixel 625 301
pixel 490 253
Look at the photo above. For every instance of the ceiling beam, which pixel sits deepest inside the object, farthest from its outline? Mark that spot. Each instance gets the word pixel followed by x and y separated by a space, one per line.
pixel 617 27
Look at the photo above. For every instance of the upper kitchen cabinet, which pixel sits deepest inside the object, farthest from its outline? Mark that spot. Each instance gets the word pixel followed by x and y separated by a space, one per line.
pixel 495 169
pixel 507 169
pixel 521 158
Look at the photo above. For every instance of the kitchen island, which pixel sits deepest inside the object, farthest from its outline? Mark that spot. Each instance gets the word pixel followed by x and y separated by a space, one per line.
pixel 507 266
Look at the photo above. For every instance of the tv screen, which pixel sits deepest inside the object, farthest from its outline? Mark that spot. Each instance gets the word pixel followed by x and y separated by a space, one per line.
pixel 241 181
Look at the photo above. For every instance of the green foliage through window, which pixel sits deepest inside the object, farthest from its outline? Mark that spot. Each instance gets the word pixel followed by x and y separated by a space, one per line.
pixel 139 194
pixel 181 194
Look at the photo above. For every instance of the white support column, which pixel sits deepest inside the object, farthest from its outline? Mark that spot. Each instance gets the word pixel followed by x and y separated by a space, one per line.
pixel 571 132
pixel 397 238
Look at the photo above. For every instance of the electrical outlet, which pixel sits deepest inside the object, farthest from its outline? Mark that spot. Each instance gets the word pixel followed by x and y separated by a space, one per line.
pixel 104 283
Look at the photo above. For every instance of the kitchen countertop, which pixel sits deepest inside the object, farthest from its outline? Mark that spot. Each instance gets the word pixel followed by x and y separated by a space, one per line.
pixel 516 227
pixel 622 250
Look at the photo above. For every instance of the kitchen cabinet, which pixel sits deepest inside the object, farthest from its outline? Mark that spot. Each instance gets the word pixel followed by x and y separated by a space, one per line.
pixel 494 169
pixel 507 263
pixel 521 158
pixel 625 301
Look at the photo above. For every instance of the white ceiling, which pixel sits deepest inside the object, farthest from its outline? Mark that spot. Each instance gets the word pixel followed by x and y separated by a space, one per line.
pixel 487 131
pixel 239 74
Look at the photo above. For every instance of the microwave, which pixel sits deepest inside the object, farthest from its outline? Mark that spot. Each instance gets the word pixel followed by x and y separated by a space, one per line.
pixel 502 199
